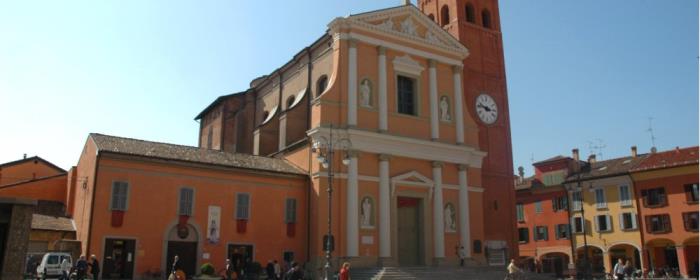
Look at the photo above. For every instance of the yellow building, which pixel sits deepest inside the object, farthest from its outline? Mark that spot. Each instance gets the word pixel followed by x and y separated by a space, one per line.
pixel 604 213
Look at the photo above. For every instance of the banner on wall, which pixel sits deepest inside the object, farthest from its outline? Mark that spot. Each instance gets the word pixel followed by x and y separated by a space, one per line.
pixel 214 224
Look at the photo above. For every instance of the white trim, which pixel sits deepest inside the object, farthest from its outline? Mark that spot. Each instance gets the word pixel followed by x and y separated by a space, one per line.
pixel 382 90
pixel 324 174
pixel 459 111
pixel 433 97
pixel 383 143
pixel 398 47
pixel 352 84
pixel 406 64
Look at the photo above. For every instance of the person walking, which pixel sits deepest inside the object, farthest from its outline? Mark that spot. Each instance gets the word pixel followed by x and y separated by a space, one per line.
pixel 629 270
pixel 94 267
pixel 81 268
pixel 512 269
pixel 228 270
pixel 619 270
pixel 174 268
pixel 294 273
pixel 344 273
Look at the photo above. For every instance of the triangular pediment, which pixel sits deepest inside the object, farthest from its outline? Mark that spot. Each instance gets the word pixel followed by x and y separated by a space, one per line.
pixel 413 177
pixel 407 22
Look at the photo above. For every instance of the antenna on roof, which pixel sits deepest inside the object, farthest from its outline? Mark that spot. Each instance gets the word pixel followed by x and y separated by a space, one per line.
pixel 596 147
pixel 651 133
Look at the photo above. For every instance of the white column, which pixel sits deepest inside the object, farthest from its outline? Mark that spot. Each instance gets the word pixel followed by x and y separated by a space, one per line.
pixel 256 142
pixel 432 83
pixel 438 216
pixel 384 208
pixel 383 115
pixel 282 140
pixel 352 84
pixel 352 227
pixel 464 230
pixel 459 111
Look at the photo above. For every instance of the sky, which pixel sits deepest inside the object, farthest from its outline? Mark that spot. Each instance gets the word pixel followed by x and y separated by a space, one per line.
pixel 579 73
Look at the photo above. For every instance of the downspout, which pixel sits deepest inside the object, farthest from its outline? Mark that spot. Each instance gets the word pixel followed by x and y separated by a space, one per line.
pixel 199 139
pixel 308 178
pixel 92 203
pixel 223 127
pixel 571 231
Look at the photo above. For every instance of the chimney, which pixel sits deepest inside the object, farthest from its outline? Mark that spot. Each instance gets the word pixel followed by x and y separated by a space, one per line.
pixel 591 159
pixel 574 153
pixel 25 156
pixel 653 150
pixel 577 164
pixel 633 149
pixel 521 173
pixel 407 2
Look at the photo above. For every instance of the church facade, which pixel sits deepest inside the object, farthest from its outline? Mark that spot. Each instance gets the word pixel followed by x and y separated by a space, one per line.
pixel 421 132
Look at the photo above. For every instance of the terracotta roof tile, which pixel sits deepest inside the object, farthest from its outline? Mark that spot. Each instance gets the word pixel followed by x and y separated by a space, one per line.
pixel 671 158
pixel 45 222
pixel 605 168
pixel 129 146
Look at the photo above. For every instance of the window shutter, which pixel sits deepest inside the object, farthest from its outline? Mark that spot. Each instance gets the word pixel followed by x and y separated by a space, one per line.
pixel 597 224
pixel 634 220
pixel 608 221
pixel 554 204
pixel 662 196
pixel 647 223
pixel 685 221
pixel 546 233
pixel 565 202
pixel 622 221
pixel 666 222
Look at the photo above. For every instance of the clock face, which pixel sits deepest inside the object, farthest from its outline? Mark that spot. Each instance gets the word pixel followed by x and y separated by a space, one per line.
pixel 486 109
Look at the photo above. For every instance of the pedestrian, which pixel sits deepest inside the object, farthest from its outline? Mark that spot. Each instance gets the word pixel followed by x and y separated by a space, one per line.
pixel 175 268
pixel 344 273
pixel 81 267
pixel 619 270
pixel 94 267
pixel 65 269
pixel 228 270
pixel 294 273
pixel 512 269
pixel 462 254
pixel 270 270
pixel 278 270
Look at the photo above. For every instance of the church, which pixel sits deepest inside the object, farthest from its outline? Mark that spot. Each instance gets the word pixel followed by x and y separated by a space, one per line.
pixel 385 142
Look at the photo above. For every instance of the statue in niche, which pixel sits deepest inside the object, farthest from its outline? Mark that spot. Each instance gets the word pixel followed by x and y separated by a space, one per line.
pixel 366 93
pixel 408 27
pixel 444 109
pixel 366 213
pixel 450 224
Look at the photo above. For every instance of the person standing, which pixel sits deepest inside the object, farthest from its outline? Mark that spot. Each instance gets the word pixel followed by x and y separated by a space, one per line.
pixel 512 269
pixel 344 273
pixel 81 268
pixel 278 270
pixel 174 268
pixel 619 269
pixel 65 269
pixel 270 270
pixel 462 254
pixel 294 273
pixel 228 270
pixel 94 267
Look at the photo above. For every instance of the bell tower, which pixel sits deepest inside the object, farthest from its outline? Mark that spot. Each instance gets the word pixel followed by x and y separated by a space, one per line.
pixel 476 23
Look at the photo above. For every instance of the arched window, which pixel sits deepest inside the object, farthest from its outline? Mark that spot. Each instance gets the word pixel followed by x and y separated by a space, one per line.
pixel 265 115
pixel 470 13
pixel 486 18
pixel 290 101
pixel 444 15
pixel 431 17
pixel 321 85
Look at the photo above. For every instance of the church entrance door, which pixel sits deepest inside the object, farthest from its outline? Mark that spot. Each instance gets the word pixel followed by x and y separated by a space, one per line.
pixel 409 231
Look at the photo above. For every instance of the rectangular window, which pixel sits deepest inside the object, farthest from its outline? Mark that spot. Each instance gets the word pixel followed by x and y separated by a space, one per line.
pixel 658 223
pixel 562 231
pixel 186 202
pixel 690 220
pixel 120 193
pixel 577 224
pixel 538 207
pixel 628 221
pixel 242 206
pixel 540 233
pixel 560 204
pixel 406 95
pixel 602 223
pixel 577 200
pixel 600 198
pixel 520 212
pixel 691 192
pixel 625 199
pixel 523 235
pixel 291 211
pixel 654 197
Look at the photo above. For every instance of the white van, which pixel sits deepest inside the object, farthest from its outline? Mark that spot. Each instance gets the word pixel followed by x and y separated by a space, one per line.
pixel 50 265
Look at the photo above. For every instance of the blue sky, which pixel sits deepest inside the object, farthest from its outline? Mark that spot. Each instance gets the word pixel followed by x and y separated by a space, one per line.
pixel 577 71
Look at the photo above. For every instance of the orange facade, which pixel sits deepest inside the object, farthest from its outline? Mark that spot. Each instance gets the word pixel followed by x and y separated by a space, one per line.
pixel 48 188
pixel 27 169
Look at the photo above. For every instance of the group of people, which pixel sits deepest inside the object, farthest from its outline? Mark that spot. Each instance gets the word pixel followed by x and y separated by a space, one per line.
pixel 623 270
pixel 81 268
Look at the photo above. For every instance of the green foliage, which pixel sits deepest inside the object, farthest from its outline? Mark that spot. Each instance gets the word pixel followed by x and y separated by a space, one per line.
pixel 207 269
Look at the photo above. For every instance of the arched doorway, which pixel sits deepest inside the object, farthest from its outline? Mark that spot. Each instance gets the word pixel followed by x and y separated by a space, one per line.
pixel 555 263
pixel 527 263
pixel 690 249
pixel 661 253
pixel 595 259
pixel 183 241
pixel 626 252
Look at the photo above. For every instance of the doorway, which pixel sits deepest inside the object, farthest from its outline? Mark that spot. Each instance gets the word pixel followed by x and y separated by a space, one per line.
pixel 409 225
pixel 187 256
pixel 118 259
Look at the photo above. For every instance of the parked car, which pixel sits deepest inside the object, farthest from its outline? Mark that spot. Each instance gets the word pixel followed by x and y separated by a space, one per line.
pixel 50 265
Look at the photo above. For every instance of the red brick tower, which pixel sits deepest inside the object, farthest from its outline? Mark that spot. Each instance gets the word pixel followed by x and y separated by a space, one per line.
pixel 476 23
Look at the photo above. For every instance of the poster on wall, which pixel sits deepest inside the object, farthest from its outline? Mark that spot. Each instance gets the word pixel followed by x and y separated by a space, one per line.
pixel 214 223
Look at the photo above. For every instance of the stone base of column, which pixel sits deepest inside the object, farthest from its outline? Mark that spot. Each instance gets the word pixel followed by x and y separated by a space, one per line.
pixel 438 261
pixel 387 261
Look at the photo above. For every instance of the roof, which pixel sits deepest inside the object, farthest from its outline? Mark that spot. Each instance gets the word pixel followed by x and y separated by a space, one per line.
pixel 45 222
pixel 526 182
pixel 671 158
pixel 16 162
pixel 216 102
pixel 135 147
pixel 607 168
pixel 556 158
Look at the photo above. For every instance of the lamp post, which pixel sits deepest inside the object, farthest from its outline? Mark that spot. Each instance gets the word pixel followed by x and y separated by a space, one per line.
pixel 586 264
pixel 325 149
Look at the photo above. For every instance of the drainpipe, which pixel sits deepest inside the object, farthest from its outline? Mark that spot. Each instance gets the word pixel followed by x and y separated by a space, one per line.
pixel 92 203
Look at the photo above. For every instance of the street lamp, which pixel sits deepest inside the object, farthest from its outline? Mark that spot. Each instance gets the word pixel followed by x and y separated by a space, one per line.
pixel 325 149
pixel 586 264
